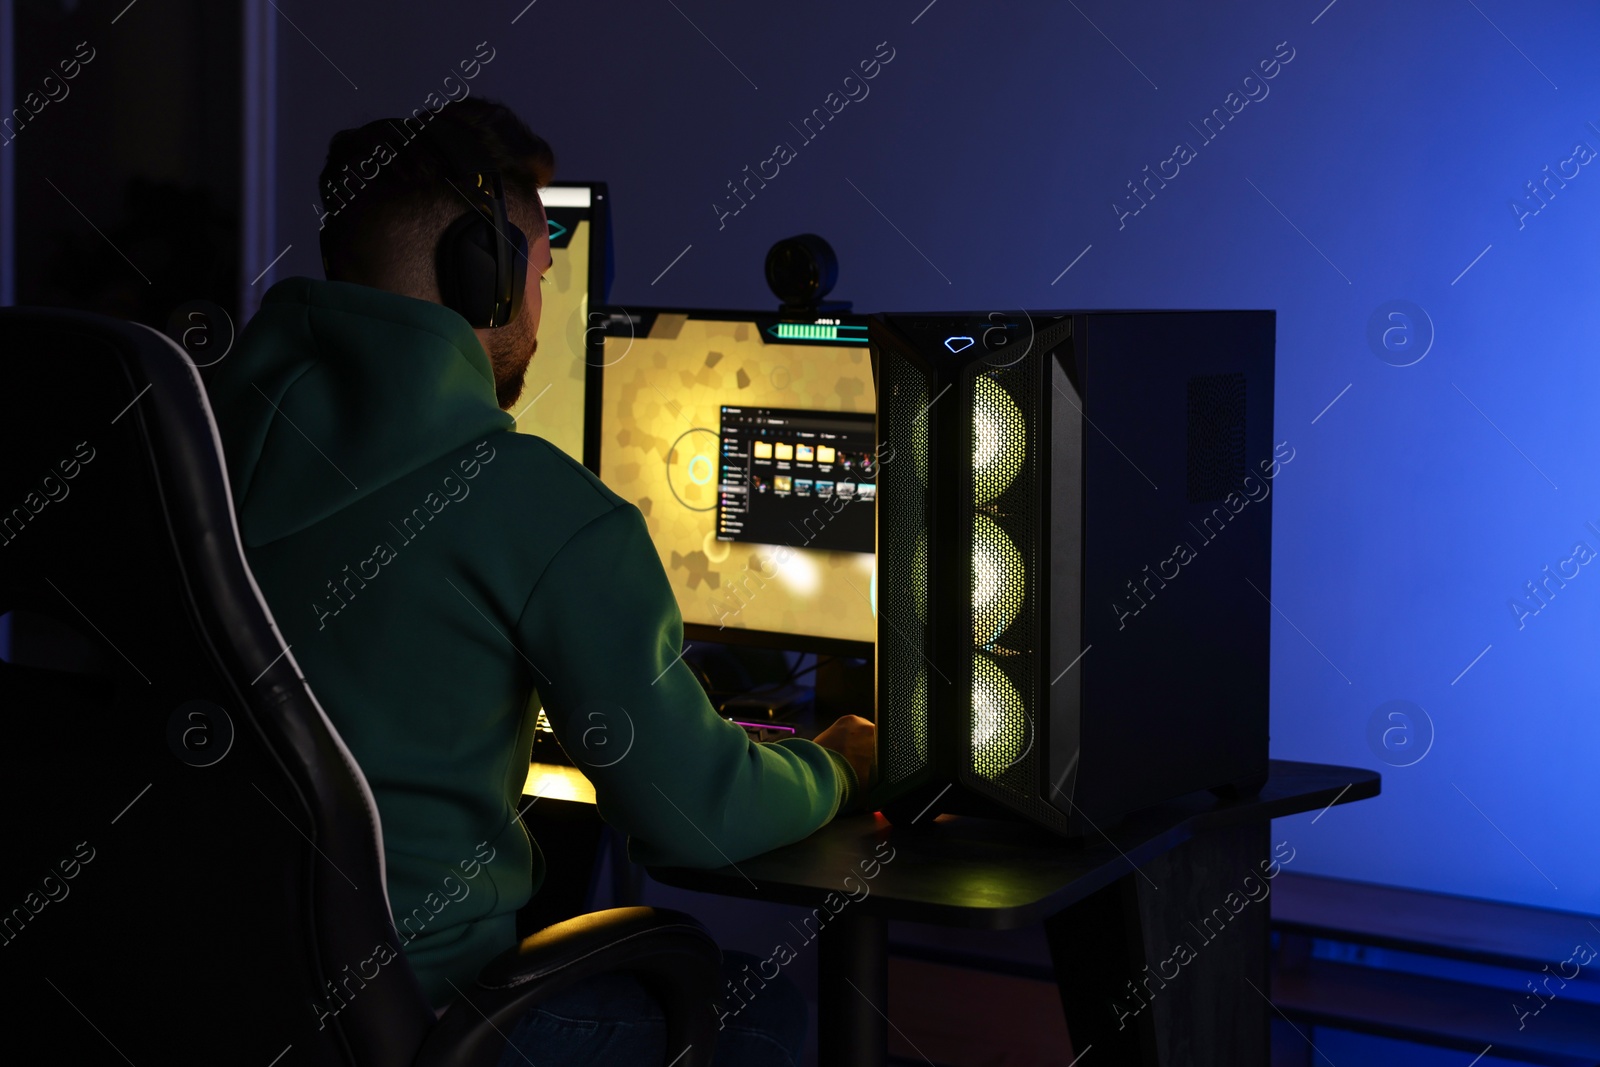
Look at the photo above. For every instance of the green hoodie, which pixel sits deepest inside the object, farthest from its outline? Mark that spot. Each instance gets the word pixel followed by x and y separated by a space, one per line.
pixel 429 567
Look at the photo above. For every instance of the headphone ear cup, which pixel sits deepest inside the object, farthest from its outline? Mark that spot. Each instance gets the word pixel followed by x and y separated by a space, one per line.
pixel 466 269
pixel 519 268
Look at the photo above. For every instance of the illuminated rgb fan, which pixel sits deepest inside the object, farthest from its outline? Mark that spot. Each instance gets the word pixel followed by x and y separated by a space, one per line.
pixel 999 726
pixel 997 581
pixel 998 448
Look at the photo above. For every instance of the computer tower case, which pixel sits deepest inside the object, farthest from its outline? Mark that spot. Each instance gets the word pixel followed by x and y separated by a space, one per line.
pixel 1074 560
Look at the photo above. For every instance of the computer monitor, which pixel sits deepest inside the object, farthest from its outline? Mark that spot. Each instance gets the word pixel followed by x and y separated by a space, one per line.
pixel 748 443
pixel 556 400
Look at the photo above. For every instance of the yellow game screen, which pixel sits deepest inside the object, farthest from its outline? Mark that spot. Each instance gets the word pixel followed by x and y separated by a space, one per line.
pixel 664 395
pixel 551 404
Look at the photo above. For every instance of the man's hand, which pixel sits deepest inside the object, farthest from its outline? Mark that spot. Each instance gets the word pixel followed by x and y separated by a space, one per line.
pixel 856 740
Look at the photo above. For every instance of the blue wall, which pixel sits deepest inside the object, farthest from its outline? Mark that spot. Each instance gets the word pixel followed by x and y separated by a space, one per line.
pixel 1376 164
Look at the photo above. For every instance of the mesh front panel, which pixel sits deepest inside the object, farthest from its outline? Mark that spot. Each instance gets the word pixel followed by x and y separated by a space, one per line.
pixel 903 635
pixel 1003 513
pixel 1216 435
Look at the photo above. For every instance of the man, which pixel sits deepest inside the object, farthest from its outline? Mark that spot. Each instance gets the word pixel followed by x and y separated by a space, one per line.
pixel 439 575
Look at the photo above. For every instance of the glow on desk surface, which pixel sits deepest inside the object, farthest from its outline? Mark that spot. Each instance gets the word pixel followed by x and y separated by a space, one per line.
pixel 558 782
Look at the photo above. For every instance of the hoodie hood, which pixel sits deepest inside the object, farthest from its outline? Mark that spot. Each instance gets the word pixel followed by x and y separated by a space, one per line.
pixel 337 390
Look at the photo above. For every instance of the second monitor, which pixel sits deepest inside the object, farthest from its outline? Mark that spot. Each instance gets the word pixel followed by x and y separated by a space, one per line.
pixel 555 402
pixel 748 443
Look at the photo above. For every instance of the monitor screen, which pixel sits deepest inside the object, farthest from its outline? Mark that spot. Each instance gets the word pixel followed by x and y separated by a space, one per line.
pixel 748 443
pixel 554 401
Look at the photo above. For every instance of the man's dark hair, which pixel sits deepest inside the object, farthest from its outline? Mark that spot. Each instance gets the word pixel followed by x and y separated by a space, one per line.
pixel 387 196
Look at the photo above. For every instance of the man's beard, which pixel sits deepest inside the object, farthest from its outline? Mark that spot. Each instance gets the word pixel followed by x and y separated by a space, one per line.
pixel 511 349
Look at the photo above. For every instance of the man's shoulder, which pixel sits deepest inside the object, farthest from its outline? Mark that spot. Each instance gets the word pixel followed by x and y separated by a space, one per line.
pixel 545 479
pixel 565 517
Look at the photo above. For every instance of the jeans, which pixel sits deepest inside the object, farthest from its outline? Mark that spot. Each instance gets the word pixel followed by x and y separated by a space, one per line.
pixel 611 1020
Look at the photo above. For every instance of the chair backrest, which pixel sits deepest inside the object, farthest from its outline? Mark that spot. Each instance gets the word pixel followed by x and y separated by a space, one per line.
pixel 194 868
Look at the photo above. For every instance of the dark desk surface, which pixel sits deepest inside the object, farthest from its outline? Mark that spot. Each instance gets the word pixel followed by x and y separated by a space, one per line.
pixel 999 875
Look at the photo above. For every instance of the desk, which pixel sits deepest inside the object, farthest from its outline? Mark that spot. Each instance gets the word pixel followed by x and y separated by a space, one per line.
pixel 1114 910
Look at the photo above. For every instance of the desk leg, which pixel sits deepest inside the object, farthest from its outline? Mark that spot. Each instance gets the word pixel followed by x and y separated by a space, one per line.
pixel 1097 946
pixel 853 991
pixel 1156 969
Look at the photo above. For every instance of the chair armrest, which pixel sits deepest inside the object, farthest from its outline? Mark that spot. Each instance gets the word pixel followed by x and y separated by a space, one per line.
pixel 671 954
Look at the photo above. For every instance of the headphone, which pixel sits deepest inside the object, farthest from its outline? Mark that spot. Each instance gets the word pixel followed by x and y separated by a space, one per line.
pixel 482 259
